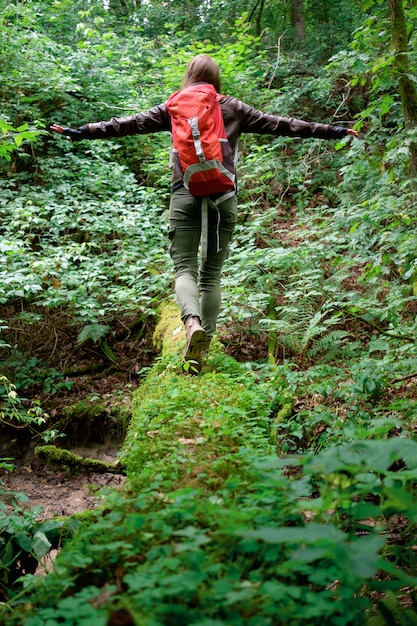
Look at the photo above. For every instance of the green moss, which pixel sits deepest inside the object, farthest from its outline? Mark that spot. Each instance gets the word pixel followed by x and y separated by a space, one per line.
pixel 84 410
pixel 183 425
pixel 76 463
pixel 285 411
pixel 169 334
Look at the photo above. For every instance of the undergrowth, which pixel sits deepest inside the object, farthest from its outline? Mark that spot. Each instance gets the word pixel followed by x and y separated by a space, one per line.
pixel 217 528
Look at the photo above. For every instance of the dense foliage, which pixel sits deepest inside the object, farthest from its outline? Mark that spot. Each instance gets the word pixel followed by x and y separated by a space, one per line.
pixel 322 273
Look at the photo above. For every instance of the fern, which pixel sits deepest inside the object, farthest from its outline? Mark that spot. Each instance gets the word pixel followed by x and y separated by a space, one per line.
pixel 330 343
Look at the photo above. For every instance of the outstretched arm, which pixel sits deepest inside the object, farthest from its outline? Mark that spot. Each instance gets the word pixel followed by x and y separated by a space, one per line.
pixel 243 118
pixel 153 121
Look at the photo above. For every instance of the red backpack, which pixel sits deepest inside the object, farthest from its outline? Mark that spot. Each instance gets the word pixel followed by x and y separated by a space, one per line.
pixel 200 142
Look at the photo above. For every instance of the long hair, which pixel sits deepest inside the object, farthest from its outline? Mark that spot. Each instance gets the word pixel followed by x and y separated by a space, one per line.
pixel 202 69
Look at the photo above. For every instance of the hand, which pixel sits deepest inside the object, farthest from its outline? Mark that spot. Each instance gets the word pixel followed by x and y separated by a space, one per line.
pixel 56 128
pixel 72 134
pixel 352 132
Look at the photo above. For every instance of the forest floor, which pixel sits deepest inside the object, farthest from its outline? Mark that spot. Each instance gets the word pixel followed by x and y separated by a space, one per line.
pixel 52 341
pixel 56 490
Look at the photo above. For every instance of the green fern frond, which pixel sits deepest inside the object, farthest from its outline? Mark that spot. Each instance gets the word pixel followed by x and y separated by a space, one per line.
pixel 329 343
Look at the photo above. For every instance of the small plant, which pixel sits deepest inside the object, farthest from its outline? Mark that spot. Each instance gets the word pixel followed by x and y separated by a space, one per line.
pixel 6 465
pixel 15 415
pixel 12 411
pixel 24 540
pixel 11 138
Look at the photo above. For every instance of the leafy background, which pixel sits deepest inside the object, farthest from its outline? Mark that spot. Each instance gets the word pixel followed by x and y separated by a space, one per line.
pixel 313 463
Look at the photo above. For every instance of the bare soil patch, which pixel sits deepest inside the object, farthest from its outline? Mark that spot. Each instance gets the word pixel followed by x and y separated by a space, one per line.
pixel 57 492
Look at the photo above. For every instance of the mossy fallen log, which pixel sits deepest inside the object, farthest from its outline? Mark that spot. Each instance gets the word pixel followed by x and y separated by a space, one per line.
pixel 191 429
pixel 75 463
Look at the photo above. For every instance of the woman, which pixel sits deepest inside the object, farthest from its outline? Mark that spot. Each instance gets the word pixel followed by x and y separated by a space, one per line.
pixel 198 289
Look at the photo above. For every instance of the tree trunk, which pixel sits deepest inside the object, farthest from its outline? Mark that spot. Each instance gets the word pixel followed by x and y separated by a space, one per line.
pixel 297 18
pixel 407 87
pixel 258 8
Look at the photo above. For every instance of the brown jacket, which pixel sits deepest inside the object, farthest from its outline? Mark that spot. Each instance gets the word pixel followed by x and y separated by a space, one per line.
pixel 238 118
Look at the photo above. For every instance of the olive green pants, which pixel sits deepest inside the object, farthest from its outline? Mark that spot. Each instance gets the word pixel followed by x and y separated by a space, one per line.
pixel 197 285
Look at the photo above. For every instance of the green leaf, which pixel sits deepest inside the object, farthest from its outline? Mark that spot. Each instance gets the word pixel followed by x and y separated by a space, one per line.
pixel 311 533
pixel 40 545
pixel 95 332
pixel 370 546
pixel 24 540
pixel 377 456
